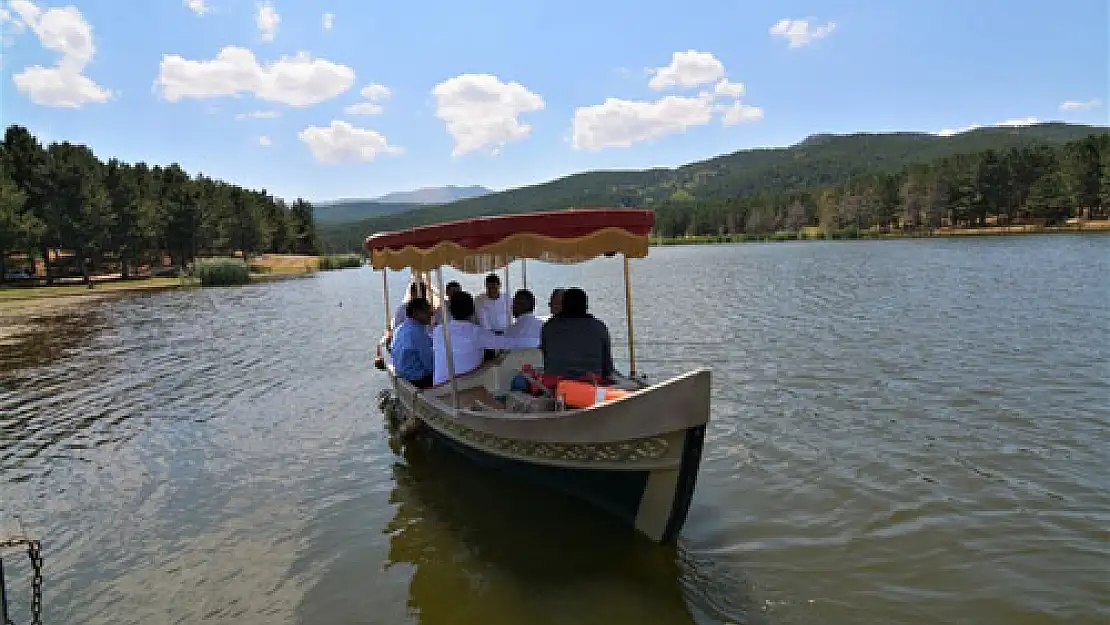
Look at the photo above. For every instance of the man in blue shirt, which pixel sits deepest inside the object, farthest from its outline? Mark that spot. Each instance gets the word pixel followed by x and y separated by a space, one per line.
pixel 412 345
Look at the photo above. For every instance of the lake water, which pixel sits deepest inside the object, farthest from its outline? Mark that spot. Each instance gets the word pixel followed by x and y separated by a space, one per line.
pixel 902 432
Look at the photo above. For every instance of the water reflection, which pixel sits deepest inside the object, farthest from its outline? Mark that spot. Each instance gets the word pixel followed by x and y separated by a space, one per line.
pixel 35 340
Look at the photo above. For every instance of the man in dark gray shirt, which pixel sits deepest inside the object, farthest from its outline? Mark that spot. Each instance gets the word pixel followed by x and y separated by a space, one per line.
pixel 574 343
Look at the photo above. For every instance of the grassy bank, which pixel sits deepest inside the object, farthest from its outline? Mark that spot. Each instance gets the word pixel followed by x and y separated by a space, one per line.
pixel 816 234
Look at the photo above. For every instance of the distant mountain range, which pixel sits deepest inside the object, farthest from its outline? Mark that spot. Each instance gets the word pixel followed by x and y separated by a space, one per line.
pixel 392 203
pixel 819 161
pixel 433 195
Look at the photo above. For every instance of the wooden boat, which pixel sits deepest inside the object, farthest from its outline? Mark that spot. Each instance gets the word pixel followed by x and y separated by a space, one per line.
pixel 636 456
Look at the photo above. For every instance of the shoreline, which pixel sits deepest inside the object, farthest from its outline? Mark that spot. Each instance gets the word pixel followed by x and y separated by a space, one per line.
pixel 814 234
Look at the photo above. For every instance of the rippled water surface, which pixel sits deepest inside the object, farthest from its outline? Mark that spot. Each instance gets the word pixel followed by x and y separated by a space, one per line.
pixel 903 432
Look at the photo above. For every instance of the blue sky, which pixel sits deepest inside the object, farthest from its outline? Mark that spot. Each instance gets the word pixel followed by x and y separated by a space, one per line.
pixel 135 80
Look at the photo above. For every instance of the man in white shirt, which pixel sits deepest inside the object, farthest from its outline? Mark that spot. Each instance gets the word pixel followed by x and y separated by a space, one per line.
pixel 493 311
pixel 468 341
pixel 527 325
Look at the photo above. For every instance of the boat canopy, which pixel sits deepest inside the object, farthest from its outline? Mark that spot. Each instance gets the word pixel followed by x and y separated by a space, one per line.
pixel 484 244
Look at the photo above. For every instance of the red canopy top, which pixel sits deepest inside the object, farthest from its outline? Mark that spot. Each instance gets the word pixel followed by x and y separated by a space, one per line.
pixel 483 242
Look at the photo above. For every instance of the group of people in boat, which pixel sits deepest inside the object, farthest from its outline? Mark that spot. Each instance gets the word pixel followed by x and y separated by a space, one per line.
pixel 573 342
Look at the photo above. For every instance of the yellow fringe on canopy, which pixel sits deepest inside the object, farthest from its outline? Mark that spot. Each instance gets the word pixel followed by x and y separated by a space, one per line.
pixel 527 245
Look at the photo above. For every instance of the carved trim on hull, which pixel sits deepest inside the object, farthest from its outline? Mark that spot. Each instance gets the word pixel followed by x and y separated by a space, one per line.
pixel 633 454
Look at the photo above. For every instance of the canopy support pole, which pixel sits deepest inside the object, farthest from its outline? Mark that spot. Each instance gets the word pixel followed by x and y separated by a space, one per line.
pixel 447 345
pixel 628 314
pixel 524 273
pixel 507 296
pixel 385 297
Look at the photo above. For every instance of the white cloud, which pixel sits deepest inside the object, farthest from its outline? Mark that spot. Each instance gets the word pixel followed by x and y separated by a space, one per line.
pixel 267 21
pixel 66 32
pixel 363 108
pixel 801 32
pixel 328 20
pixel 1006 123
pixel 374 94
pixel 259 115
pixel 1080 105
pixel 197 6
pixel 482 113
pixel 343 143
pixel 1019 122
pixel 737 113
pixel 619 123
pixel 687 69
pixel 297 81
pixel 729 89
pixel 265 141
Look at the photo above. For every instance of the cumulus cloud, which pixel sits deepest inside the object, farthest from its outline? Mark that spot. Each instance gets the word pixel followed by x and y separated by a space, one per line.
pixel 801 32
pixel 1080 105
pixel 328 20
pixel 1006 123
pixel 197 6
pixel 300 80
pixel 343 143
pixel 65 32
pixel 265 141
pixel 687 69
pixel 738 113
pixel 267 21
pixel 259 115
pixel 374 94
pixel 619 123
pixel 482 113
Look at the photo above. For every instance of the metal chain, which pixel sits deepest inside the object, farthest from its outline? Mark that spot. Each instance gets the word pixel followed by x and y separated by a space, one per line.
pixel 34 554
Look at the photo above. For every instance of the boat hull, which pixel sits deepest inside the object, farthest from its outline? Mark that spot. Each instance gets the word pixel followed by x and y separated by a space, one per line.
pixel 636 457
pixel 624 495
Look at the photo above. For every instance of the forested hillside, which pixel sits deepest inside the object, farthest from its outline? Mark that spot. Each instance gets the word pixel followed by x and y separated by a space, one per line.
pixel 62 197
pixel 818 162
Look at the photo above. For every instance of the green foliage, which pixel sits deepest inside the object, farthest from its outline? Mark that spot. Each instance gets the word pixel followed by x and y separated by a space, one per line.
pixel 126 215
pixel 221 271
pixel 340 261
pixel 761 180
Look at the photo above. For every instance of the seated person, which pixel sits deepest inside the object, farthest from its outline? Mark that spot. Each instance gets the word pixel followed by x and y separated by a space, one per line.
pixel 554 303
pixel 415 291
pixel 468 340
pixel 412 346
pixel 574 343
pixel 449 290
pixel 527 325
pixel 492 313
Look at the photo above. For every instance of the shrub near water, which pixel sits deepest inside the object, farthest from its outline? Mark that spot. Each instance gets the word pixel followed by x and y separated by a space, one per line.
pixel 340 261
pixel 221 271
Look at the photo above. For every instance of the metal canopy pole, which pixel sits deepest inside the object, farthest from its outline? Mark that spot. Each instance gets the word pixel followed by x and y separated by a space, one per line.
pixel 507 298
pixel 524 273
pixel 447 345
pixel 628 314
pixel 385 297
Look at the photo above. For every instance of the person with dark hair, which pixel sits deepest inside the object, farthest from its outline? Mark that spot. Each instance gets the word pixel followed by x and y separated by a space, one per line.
pixel 468 340
pixel 416 290
pixel 574 343
pixel 412 351
pixel 492 313
pixel 449 290
pixel 555 303
pixel 526 324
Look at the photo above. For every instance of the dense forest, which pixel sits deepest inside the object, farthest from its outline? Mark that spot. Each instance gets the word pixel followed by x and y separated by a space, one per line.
pixel 1040 184
pixel 765 190
pixel 63 204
